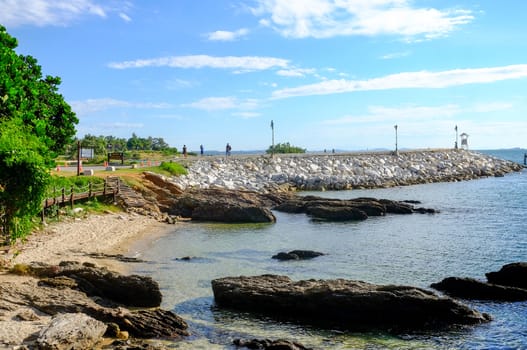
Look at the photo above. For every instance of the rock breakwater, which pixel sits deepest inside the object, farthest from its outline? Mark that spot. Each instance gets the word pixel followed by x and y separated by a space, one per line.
pixel 341 171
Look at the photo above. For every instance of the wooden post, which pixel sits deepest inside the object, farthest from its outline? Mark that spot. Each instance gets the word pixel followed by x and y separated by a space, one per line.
pixel 44 211
pixel 78 158
pixel 104 188
pixel 72 197
pixel 90 190
pixel 63 195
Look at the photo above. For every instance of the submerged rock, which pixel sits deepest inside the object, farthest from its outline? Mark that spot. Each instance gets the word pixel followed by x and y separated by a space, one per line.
pixel 267 344
pixel 297 255
pixel 345 304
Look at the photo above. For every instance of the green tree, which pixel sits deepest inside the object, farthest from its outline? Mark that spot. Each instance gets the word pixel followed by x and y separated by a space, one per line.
pixel 23 177
pixel 35 125
pixel 285 148
pixel 26 94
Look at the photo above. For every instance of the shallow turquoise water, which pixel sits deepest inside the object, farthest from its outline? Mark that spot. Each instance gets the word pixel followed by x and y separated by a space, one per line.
pixel 481 226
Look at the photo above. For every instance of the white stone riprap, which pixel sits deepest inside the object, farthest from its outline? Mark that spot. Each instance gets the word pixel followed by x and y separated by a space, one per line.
pixel 341 171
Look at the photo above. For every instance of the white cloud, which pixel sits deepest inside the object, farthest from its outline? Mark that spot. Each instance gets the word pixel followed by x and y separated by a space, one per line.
pixel 394 55
pixel 329 18
pixel 243 63
pixel 407 80
pixel 295 72
pixel 53 12
pixel 223 103
pixel 125 17
pixel 223 35
pixel 246 115
pixel 95 105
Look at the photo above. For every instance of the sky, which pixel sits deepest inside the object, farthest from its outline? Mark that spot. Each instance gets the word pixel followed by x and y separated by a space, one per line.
pixel 330 74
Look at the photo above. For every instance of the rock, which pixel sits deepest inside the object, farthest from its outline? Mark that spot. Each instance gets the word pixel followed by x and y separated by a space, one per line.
pixel 150 323
pixel 514 275
pixel 469 288
pixel 297 255
pixel 267 344
pixel 342 210
pixel 345 304
pixel 342 171
pixel 336 213
pixel 71 331
pixel 133 290
pixel 223 206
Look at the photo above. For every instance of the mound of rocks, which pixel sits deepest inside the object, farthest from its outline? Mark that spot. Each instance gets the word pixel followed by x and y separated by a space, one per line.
pixel 340 171
pixel 345 304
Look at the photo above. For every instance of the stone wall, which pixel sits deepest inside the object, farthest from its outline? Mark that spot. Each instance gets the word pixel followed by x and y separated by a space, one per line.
pixel 341 171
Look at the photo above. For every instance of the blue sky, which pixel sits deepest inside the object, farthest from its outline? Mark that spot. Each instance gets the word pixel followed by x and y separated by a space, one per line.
pixel 330 73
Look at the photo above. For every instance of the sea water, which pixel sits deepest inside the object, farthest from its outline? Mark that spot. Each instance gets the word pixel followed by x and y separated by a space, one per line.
pixel 481 225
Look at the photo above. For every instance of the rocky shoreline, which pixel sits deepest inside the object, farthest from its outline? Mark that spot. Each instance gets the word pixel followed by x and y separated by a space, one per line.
pixel 240 189
pixel 340 171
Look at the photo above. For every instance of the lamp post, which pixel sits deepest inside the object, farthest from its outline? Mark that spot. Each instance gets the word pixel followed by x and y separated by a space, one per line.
pixel 395 127
pixel 455 144
pixel 272 144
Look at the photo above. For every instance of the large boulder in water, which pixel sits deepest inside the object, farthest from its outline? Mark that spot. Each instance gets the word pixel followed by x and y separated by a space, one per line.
pixel 223 206
pixel 345 304
pixel 469 288
pixel 514 275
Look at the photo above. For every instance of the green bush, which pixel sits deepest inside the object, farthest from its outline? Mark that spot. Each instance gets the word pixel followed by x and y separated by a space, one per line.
pixel 175 169
pixel 285 148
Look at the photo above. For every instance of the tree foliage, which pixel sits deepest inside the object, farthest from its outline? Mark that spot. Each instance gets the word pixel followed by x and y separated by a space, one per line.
pixel 285 148
pixel 26 94
pixel 23 177
pixel 35 125
pixel 103 144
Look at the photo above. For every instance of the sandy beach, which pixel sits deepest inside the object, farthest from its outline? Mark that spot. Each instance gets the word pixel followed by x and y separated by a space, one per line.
pixel 72 239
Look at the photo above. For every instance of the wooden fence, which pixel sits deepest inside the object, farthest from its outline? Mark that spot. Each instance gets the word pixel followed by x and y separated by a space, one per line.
pixel 62 197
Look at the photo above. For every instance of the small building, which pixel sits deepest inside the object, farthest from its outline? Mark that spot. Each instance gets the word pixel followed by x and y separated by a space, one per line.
pixel 464 141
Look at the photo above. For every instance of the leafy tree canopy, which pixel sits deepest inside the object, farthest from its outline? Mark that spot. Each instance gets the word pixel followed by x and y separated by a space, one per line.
pixel 26 94
pixel 23 176
pixel 285 148
pixel 35 125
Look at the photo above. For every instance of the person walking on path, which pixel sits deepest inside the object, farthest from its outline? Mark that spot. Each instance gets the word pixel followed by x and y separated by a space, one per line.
pixel 228 150
pixel 201 149
pixel 185 151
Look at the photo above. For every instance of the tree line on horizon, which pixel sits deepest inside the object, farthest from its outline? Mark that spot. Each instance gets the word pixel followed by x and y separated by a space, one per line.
pixel 102 145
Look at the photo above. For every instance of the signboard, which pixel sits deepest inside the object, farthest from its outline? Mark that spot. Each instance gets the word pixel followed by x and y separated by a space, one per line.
pixel 87 153
pixel 117 156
